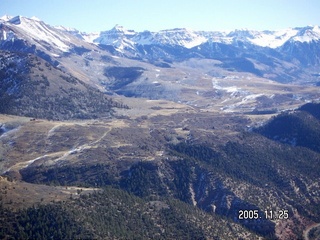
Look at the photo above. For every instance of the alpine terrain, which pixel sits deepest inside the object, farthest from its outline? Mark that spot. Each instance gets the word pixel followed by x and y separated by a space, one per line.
pixel 176 134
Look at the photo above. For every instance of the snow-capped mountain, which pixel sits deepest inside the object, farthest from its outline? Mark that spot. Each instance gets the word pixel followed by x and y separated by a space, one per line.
pixel 275 39
pixel 32 35
pixel 170 64
pixel 60 38
pixel 122 38
pixel 188 38
pixel 33 29
pixel 118 37
pixel 184 43
pixel 292 50
pixel 178 36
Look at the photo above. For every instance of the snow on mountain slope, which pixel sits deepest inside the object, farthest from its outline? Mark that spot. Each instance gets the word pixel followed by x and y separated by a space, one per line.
pixel 276 39
pixel 241 50
pixel 118 37
pixel 33 35
pixel 179 36
pixel 308 34
pixel 5 18
pixel 188 38
pixel 88 37
pixel 35 30
pixel 176 52
pixel 121 38
pixel 271 39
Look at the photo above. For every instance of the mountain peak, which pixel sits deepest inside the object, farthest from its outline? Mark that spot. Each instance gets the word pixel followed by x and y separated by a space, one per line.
pixel 30 29
pixel 6 18
pixel 307 34
pixel 242 33
pixel 35 18
pixel 19 19
pixel 120 29
pixel 316 28
pixel 15 20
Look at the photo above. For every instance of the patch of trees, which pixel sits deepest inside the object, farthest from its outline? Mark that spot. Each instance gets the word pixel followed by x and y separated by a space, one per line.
pixel 142 180
pixel 122 76
pixel 41 222
pixel 301 128
pixel 312 108
pixel 97 175
pixel 112 214
pixel 80 50
pixel 33 95
pixel 241 65
pixel 256 161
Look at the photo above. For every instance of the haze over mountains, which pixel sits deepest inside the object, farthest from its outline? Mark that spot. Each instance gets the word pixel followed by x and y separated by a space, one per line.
pixel 158 135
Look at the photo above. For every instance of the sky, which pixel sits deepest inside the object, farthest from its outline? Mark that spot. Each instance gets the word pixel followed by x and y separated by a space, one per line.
pixel 139 15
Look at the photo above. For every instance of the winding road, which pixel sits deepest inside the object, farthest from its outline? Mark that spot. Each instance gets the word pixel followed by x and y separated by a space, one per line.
pixel 56 156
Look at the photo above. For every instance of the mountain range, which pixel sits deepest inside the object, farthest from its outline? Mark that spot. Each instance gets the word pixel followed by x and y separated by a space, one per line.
pixel 179 65
pixel 121 37
pixel 256 51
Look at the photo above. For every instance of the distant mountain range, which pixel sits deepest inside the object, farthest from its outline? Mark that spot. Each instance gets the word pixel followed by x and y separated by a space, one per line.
pixel 300 44
pixel 170 64
pixel 178 36
pixel 121 37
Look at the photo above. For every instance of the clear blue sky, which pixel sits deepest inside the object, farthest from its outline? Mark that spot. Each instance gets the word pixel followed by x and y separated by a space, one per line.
pixel 139 15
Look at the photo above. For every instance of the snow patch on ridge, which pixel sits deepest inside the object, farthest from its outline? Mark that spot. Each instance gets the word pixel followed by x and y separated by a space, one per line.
pixel 36 29
pixel 273 39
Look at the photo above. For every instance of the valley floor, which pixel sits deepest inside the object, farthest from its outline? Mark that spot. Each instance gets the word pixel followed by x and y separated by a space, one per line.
pixel 159 150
